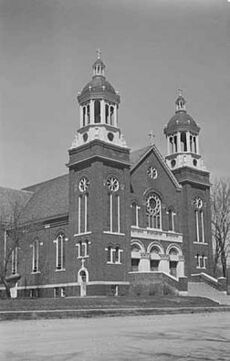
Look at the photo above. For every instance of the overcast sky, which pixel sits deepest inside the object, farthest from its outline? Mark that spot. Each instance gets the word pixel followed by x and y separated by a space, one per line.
pixel 150 48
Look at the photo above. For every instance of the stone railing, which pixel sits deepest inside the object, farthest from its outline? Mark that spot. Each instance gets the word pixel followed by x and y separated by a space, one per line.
pixel 156 234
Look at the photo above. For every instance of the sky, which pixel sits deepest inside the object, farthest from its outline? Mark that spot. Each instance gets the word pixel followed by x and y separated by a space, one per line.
pixel 151 48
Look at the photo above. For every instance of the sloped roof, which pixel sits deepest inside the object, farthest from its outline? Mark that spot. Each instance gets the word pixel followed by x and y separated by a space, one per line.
pixel 10 198
pixel 50 199
pixel 137 156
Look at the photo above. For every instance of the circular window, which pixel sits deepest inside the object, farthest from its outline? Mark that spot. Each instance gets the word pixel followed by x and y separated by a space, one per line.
pixel 112 184
pixel 110 136
pixel 152 172
pixel 83 184
pixel 153 204
pixel 194 162
pixel 85 137
pixel 173 163
pixel 198 202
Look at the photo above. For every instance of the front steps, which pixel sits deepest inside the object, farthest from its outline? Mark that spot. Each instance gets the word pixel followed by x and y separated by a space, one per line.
pixel 201 289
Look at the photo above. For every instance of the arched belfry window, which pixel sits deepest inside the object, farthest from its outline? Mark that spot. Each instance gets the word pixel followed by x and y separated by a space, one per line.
pixel 97 111
pixel 199 220
pixel 106 113
pixel 113 208
pixel 111 114
pixel 183 142
pixel 83 211
pixel 153 211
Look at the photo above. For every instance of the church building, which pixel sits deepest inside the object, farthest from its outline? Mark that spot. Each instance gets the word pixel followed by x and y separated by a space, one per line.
pixel 120 221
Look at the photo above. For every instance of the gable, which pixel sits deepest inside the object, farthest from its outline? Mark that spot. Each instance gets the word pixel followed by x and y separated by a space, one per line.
pixel 165 183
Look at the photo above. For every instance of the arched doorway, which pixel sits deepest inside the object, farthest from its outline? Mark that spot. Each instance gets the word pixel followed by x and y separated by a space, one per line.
pixel 83 279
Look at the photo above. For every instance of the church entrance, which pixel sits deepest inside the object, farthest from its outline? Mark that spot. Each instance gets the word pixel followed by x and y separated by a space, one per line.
pixel 173 268
pixel 82 281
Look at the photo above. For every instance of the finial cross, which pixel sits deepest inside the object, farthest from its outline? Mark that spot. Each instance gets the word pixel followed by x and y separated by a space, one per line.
pixel 180 93
pixel 98 53
pixel 151 137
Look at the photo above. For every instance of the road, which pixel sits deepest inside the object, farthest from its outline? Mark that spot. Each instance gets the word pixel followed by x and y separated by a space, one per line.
pixel 190 337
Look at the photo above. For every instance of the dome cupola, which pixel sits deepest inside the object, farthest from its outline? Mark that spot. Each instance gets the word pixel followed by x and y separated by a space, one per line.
pixel 182 134
pixel 99 103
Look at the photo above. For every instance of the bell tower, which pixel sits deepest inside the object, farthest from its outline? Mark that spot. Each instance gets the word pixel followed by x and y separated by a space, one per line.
pixel 99 184
pixel 182 135
pixel 98 105
pixel 184 159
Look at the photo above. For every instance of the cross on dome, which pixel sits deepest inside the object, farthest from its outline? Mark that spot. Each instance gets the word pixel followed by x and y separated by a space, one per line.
pixel 98 54
pixel 180 102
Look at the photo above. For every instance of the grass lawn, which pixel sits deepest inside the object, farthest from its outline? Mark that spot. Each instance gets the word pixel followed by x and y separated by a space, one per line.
pixel 103 302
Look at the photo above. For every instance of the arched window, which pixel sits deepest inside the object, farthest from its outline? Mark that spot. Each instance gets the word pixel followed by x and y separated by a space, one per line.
pixel 183 142
pixel 84 116
pixel 35 259
pixel 114 211
pixel 88 114
pixel 60 251
pixel 199 220
pixel 171 220
pixel 135 257
pixel 154 258
pixel 135 214
pixel 106 113
pixel 14 268
pixel 153 210
pixel 111 114
pixel 83 214
pixel 83 249
pixel 97 111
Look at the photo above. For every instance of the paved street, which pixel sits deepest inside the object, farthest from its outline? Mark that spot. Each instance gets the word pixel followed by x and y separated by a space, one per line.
pixel 156 338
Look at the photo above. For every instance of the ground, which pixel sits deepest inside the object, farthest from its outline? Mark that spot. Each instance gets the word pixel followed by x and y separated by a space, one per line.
pixel 157 338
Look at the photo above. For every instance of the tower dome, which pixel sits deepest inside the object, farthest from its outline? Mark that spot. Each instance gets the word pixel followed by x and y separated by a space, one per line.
pixel 182 134
pixel 99 103
pixel 181 121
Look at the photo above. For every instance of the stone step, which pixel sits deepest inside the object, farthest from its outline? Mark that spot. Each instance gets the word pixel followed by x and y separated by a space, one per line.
pixel 201 289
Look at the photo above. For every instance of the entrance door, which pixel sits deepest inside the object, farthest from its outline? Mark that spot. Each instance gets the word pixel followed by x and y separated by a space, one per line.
pixel 173 268
pixel 82 283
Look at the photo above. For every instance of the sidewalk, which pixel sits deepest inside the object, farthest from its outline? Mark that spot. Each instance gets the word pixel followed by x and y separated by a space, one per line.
pixel 104 312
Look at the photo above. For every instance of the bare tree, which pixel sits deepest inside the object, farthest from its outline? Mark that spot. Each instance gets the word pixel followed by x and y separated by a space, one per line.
pixel 11 233
pixel 220 201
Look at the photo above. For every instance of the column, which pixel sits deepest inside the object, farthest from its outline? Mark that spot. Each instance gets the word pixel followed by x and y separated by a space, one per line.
pixel 115 116
pixel 102 111
pixel 164 264
pixel 180 267
pixel 178 143
pixel 197 145
pixel 188 141
pixel 91 111
pixel 81 116
pixel 144 265
pixel 168 145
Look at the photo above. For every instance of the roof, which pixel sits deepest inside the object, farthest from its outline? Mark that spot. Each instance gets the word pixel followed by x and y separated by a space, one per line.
pixel 10 198
pixel 181 121
pixel 137 156
pixel 50 199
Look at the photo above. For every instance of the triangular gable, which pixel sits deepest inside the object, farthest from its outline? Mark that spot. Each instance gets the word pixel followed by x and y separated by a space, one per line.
pixel 138 156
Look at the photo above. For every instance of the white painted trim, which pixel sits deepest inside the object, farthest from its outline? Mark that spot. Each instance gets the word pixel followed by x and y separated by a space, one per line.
pixel 79 214
pixel 118 215
pixel 202 226
pixel 70 284
pixel 111 212
pixel 201 243
pixel 81 234
pixel 114 233
pixel 197 226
